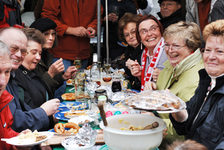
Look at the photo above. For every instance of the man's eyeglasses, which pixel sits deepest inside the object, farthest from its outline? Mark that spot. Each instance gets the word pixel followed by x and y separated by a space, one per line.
pixel 16 49
pixel 146 31
pixel 172 46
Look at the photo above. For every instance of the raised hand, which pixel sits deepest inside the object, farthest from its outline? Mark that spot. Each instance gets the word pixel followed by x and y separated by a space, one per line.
pixel 56 68
pixel 70 72
pixel 51 106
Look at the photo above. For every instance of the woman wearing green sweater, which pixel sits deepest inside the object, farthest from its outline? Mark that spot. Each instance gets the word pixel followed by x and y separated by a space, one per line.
pixel 180 75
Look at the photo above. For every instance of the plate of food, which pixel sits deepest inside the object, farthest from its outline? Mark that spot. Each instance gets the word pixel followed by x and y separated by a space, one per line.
pixel 80 120
pixel 69 128
pixel 29 138
pixel 75 113
pixel 161 101
pixel 66 106
pixel 73 96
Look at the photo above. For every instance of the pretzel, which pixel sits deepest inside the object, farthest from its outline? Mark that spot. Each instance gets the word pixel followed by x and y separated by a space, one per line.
pixel 60 128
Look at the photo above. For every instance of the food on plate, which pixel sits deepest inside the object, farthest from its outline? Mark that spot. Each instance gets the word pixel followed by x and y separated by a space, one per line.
pixel 68 96
pixel 67 128
pixel 74 113
pixel 72 96
pixel 30 137
pixel 69 81
pixel 156 100
pixel 134 128
pixel 80 120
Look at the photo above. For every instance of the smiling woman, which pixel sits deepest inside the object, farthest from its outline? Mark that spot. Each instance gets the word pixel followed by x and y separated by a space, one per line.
pixel 180 75
pixel 203 118
pixel 149 33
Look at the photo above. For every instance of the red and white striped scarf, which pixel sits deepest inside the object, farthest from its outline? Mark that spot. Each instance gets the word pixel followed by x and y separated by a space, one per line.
pixel 156 56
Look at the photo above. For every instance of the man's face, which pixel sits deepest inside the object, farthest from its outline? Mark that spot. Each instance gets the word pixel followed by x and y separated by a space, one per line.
pixel 17 43
pixel 168 7
pixel 5 69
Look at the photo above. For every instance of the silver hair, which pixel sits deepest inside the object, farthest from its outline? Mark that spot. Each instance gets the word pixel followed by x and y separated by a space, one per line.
pixel 4 50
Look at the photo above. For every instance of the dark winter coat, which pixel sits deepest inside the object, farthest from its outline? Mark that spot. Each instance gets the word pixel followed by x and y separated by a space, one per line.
pixel 208 128
pixel 173 18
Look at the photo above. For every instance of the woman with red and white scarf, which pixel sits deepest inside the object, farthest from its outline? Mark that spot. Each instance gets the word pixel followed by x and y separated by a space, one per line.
pixel 149 33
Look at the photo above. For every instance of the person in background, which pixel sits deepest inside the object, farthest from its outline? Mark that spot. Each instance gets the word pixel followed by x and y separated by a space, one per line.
pixel 127 33
pixel 180 75
pixel 186 145
pixel 199 11
pixel 76 24
pixel 10 13
pixel 203 119
pixel 170 12
pixel 51 73
pixel 217 11
pixel 149 33
pixel 6 117
pixel 32 89
pixel 24 116
pixel 116 9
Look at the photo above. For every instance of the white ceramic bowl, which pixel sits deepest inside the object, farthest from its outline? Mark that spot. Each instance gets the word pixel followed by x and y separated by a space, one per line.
pixel 118 139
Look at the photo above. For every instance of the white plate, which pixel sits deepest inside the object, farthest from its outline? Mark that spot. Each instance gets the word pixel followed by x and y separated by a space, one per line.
pixel 169 111
pixel 17 142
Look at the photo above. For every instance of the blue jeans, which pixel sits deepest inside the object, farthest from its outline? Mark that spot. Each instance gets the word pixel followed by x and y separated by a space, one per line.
pixel 67 63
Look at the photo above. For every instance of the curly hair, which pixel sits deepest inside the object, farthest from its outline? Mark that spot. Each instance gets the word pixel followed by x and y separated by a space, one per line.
pixel 188 31
pixel 125 19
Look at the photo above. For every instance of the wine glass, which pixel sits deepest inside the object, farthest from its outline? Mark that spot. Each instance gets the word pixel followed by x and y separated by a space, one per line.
pixel 107 65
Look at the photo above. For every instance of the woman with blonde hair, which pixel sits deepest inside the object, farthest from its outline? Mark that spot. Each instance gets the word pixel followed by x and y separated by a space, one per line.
pixel 203 118
pixel 180 75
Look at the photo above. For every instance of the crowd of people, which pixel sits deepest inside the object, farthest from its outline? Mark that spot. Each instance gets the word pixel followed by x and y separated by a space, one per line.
pixel 180 49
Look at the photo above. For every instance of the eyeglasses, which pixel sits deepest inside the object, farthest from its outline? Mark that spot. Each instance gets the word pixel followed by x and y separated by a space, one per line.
pixel 132 33
pixel 153 28
pixel 16 49
pixel 167 4
pixel 172 46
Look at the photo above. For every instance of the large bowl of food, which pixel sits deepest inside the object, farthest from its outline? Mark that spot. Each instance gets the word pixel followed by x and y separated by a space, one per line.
pixel 133 131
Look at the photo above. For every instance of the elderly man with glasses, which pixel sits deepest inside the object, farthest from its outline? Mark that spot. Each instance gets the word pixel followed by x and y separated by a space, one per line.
pixel 170 12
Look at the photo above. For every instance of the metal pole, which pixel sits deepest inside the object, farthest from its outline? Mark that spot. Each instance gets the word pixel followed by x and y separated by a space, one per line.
pixel 107 33
pixel 98 29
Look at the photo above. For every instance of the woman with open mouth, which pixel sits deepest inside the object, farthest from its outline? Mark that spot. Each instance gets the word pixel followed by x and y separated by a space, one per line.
pixel 149 34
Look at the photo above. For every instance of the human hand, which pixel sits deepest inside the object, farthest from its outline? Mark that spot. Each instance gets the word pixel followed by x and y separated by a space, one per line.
pixel 70 72
pixel 56 68
pixel 112 17
pixel 155 74
pixel 150 85
pixel 50 106
pixel 129 63
pixel 92 32
pixel 136 69
pixel 78 31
